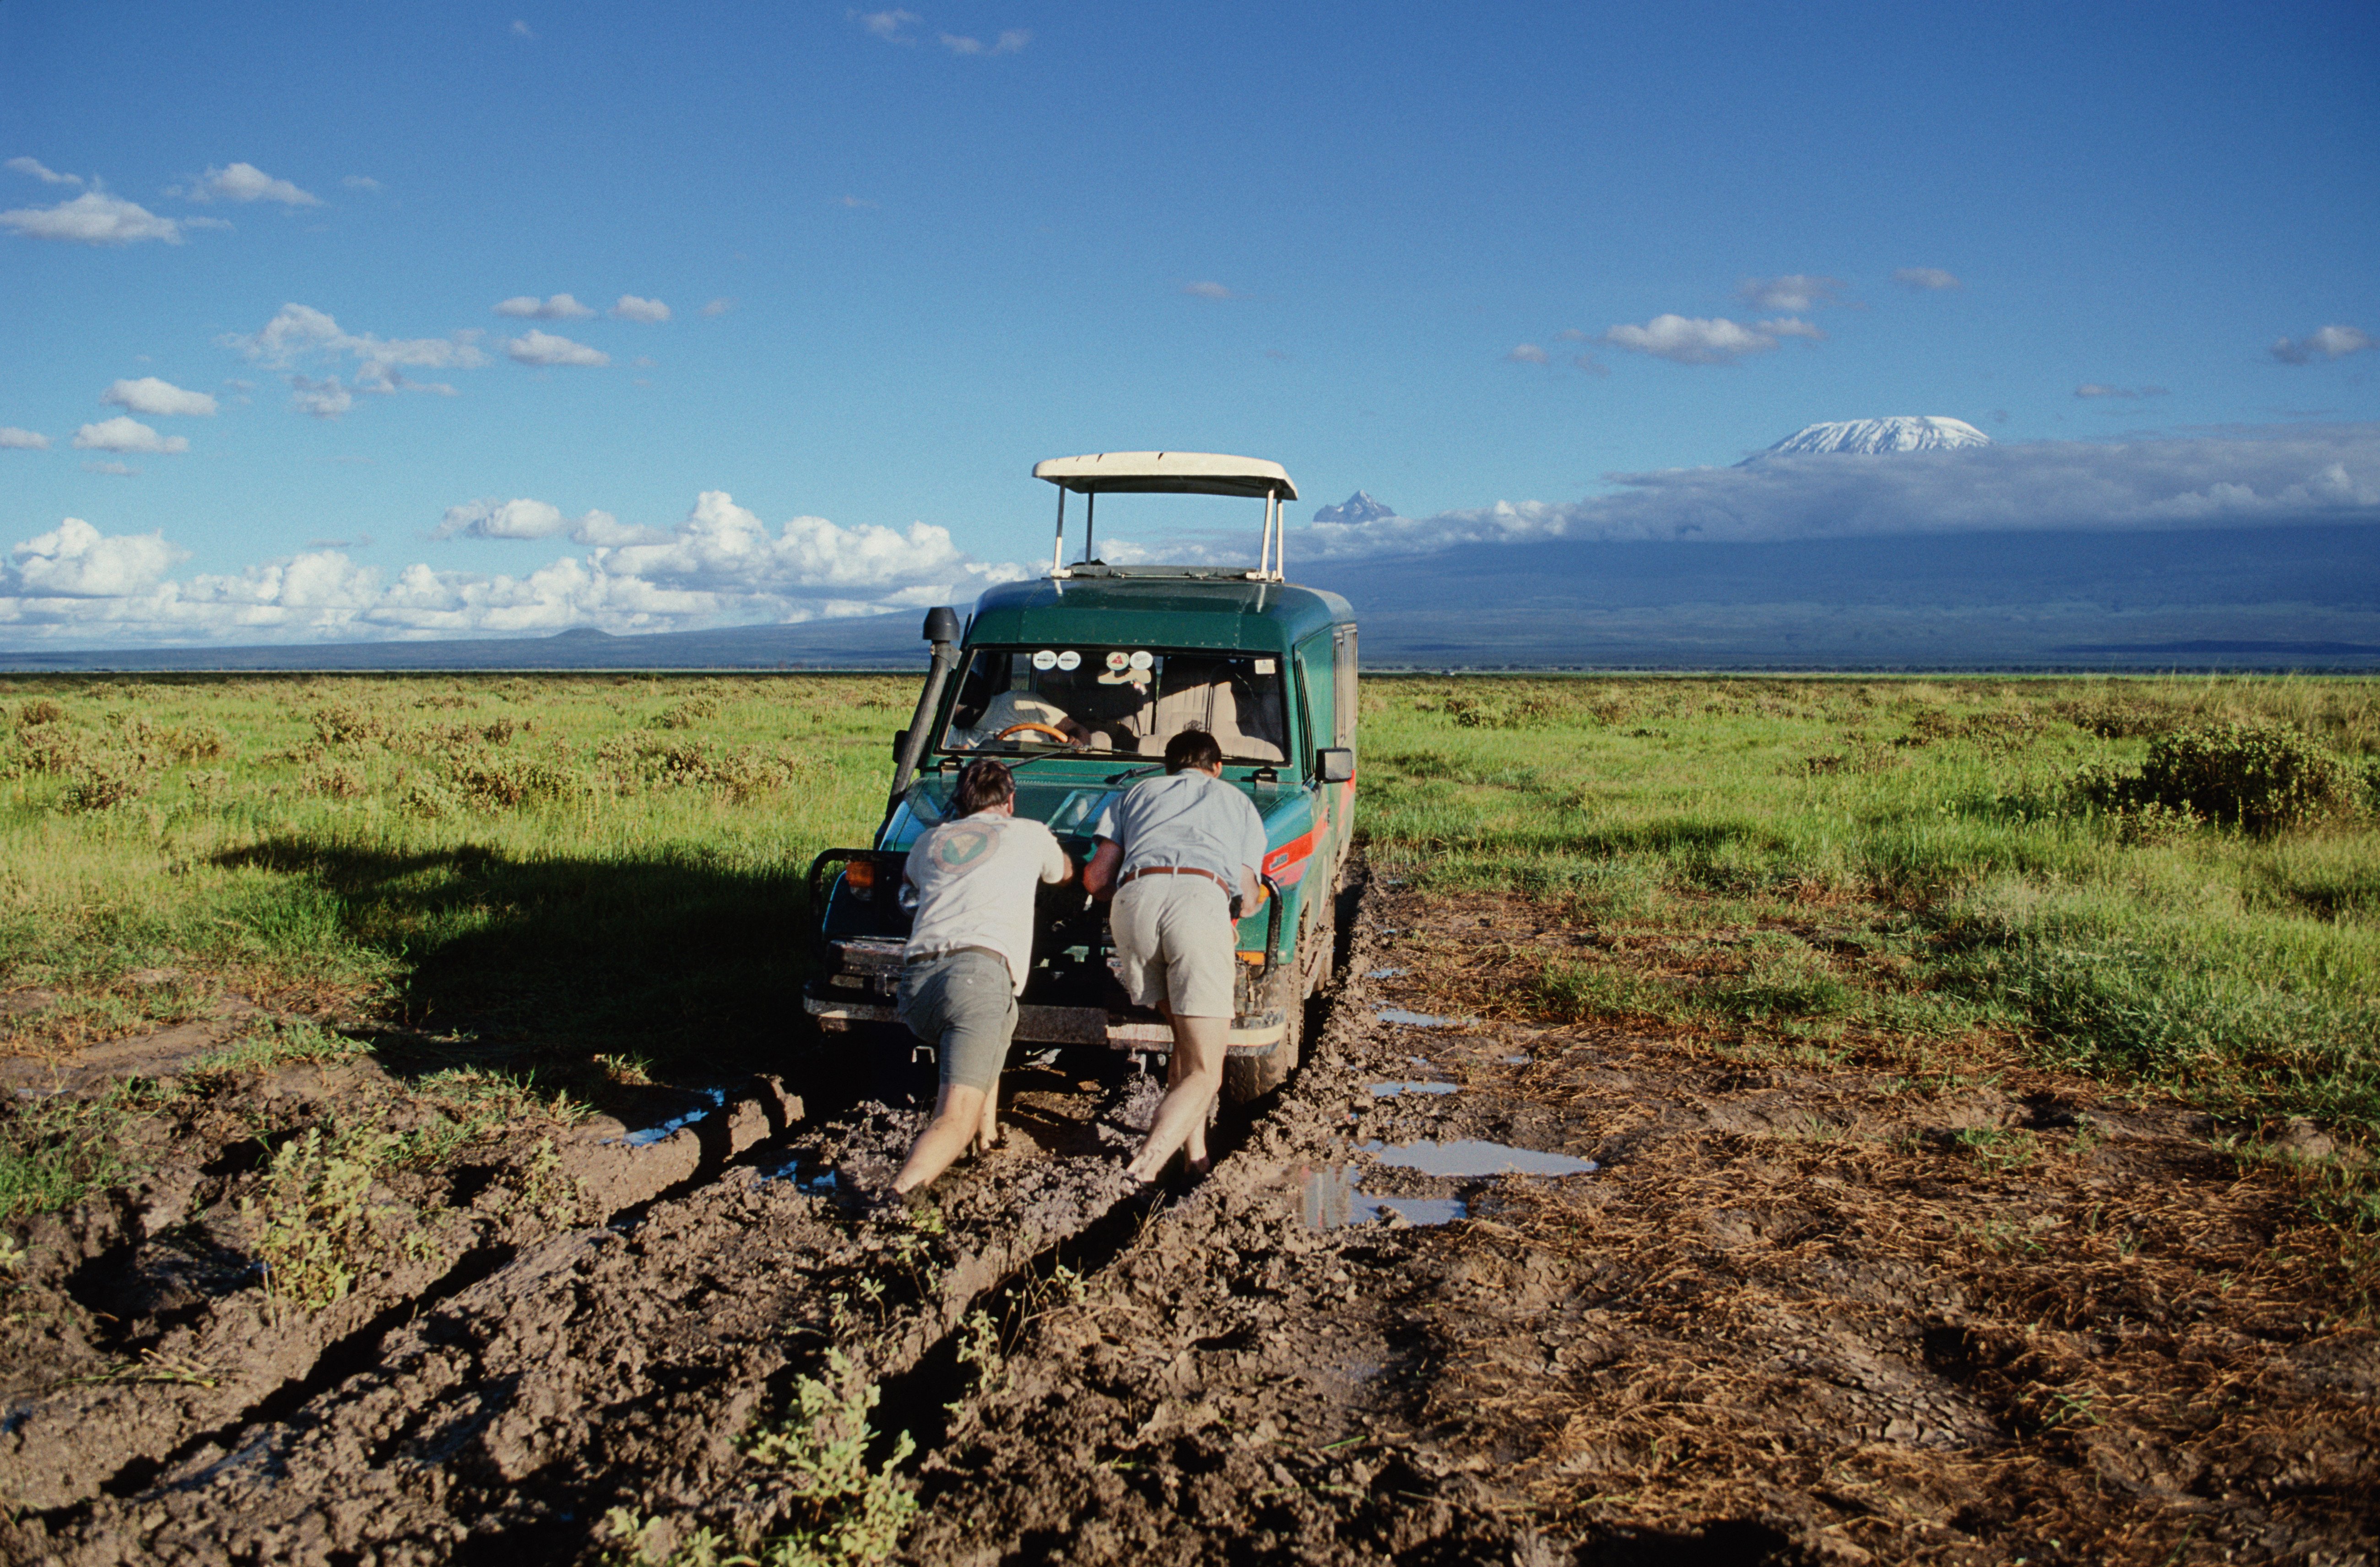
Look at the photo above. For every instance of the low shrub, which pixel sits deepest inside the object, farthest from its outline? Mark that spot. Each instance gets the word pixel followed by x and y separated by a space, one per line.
pixel 2257 777
pixel 40 711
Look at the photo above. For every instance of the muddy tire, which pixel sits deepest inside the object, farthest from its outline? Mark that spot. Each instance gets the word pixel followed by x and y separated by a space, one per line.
pixel 1247 1077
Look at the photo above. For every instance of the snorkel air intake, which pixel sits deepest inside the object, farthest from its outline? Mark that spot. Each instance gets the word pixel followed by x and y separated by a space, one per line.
pixel 942 631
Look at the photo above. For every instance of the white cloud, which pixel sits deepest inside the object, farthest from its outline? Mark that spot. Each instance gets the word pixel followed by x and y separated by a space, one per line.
pixel 1207 291
pixel 2327 343
pixel 1794 292
pixel 1692 340
pixel 891 25
pixel 125 434
pixel 2291 476
pixel 300 335
pixel 2093 389
pixel 1008 42
pixel 545 348
pixel 362 182
pixel 719 307
pixel 121 470
pixel 158 398
pixel 520 29
pixel 47 177
pixel 1592 365
pixel 1927 279
pixel 324 398
pixel 630 308
pixel 721 566
pixel 13 439
pixel 536 519
pixel 528 307
pixel 246 182
pixel 93 218
pixel 1526 354
pixel 854 202
pixel 73 561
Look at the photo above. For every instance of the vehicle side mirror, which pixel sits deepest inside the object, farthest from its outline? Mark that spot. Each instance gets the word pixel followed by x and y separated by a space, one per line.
pixel 899 743
pixel 1335 764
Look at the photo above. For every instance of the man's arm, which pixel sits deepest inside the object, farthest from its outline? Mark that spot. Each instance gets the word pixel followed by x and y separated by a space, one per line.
pixel 1098 876
pixel 1251 892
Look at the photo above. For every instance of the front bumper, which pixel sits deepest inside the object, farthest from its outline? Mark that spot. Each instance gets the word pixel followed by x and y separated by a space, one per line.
pixel 1068 1025
pixel 868 970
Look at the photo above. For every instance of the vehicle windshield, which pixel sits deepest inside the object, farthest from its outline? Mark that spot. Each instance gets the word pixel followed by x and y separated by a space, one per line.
pixel 1124 699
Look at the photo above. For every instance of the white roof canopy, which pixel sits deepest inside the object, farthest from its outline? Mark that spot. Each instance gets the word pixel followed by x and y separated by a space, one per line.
pixel 1173 473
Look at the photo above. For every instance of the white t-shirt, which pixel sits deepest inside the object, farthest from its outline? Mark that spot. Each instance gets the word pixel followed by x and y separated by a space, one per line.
pixel 975 879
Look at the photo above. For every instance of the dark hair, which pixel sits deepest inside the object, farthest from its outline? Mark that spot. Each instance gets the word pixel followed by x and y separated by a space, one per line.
pixel 1192 747
pixel 985 783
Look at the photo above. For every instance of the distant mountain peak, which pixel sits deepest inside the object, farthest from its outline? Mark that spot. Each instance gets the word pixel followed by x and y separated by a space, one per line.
pixel 581 634
pixel 1903 432
pixel 1357 507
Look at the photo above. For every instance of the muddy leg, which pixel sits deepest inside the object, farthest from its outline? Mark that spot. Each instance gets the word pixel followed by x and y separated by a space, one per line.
pixel 988 1139
pixel 960 1115
pixel 1193 1077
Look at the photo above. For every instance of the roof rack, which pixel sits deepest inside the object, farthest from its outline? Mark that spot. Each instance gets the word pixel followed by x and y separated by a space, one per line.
pixel 1173 473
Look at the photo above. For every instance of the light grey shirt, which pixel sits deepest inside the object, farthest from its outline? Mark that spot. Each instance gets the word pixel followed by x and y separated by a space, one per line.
pixel 1190 818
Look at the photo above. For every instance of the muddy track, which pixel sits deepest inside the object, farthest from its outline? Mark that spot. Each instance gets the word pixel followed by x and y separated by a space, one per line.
pixel 1792 1317
pixel 508 1392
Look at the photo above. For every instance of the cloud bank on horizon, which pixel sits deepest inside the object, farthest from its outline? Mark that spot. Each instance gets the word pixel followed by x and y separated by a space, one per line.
pixel 78 586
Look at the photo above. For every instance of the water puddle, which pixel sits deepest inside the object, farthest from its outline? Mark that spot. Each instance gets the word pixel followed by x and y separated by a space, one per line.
pixel 1515 1060
pixel 818 1183
pixel 645 1137
pixel 1471 1158
pixel 1391 1091
pixel 1384 974
pixel 1419 1019
pixel 1330 1196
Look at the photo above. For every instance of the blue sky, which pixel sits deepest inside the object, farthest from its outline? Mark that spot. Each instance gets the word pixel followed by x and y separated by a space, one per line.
pixel 905 252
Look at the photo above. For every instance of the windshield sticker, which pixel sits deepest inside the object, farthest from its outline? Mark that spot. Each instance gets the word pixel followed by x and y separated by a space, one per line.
pixel 1142 659
pixel 1045 658
pixel 1264 666
pixel 1069 660
pixel 1118 658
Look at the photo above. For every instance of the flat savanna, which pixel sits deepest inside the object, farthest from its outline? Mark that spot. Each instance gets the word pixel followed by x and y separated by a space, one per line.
pixel 415 1149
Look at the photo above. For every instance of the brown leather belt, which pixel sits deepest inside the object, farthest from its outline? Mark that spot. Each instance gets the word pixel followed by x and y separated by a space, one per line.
pixel 1132 876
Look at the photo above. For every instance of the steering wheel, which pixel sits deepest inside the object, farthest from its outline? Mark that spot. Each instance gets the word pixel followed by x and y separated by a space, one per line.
pixel 1050 729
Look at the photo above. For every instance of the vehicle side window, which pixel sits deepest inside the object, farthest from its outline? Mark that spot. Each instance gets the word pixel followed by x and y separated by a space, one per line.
pixel 1316 686
pixel 1348 704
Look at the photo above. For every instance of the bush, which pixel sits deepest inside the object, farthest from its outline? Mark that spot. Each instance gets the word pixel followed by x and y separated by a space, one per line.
pixel 41 710
pixel 343 725
pixel 2257 777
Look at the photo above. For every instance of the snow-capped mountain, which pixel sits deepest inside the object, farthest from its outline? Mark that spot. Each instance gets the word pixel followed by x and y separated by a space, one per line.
pixel 1901 434
pixel 1357 507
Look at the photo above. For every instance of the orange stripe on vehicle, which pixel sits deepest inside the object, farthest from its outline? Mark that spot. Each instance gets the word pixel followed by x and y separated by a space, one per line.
pixel 1296 848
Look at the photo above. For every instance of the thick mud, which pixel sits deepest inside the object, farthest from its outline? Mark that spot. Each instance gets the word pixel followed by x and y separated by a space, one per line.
pixel 1462 1291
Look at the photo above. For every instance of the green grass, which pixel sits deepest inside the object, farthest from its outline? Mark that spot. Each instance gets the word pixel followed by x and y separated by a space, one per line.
pixel 503 886
pixel 1851 858
pixel 521 890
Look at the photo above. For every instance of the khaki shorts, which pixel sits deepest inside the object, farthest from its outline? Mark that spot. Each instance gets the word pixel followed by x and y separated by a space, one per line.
pixel 1174 944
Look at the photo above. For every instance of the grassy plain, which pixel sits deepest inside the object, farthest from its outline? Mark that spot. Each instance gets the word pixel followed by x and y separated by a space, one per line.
pixel 1919 871
pixel 537 887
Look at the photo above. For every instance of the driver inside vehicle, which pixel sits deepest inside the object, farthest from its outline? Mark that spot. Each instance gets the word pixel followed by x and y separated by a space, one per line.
pixel 1033 716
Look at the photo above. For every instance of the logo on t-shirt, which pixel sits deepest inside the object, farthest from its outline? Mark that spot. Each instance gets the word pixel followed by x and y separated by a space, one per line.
pixel 957 848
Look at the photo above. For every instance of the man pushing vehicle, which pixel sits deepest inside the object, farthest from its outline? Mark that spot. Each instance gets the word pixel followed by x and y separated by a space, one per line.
pixel 1180 856
pixel 967 955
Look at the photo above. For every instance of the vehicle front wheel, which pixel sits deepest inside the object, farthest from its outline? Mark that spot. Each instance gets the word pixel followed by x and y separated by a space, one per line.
pixel 1247 1077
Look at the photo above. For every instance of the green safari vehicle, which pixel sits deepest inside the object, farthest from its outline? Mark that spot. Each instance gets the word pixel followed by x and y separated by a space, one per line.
pixel 1078 680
